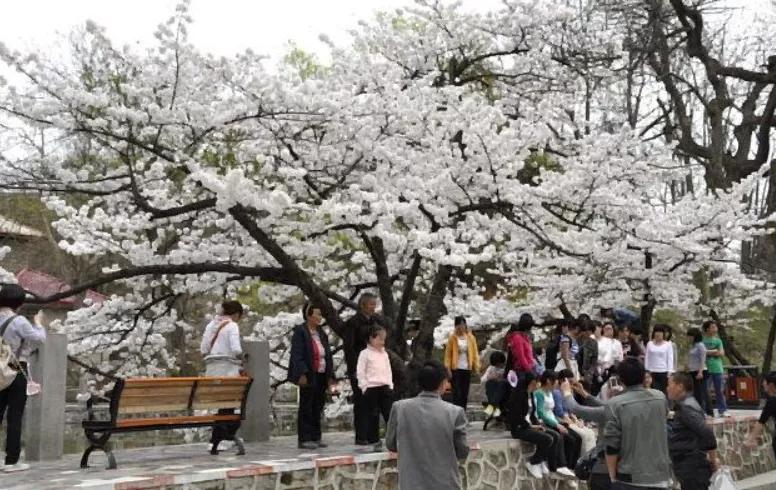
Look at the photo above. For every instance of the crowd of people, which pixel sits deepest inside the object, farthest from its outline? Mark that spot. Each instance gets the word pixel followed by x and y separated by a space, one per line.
pixel 596 402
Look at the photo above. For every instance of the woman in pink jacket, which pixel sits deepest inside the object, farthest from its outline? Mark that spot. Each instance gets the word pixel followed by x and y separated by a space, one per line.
pixel 519 347
pixel 375 380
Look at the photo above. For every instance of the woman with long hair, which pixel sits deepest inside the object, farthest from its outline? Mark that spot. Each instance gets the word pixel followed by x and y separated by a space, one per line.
pixel 461 358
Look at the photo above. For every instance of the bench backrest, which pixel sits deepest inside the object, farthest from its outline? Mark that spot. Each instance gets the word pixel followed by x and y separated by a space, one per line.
pixel 155 395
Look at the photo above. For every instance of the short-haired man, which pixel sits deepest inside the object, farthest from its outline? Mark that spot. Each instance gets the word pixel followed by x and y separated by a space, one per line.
pixel 691 441
pixel 429 434
pixel 769 411
pixel 357 330
pixel 635 435
pixel 715 370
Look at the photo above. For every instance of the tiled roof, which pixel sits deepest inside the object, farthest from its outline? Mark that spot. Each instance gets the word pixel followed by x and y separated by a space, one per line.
pixel 42 284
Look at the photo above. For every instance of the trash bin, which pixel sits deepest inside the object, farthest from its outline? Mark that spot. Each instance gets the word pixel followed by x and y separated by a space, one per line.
pixel 742 386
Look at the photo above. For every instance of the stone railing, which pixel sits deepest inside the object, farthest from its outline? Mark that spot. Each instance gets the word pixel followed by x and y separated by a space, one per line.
pixel 743 462
pixel 491 465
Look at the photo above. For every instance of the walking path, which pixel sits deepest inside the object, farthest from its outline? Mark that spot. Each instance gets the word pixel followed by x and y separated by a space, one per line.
pixel 191 463
pixel 180 465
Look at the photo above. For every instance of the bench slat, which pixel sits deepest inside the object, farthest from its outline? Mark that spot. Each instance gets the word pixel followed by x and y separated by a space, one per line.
pixel 155 408
pixel 192 419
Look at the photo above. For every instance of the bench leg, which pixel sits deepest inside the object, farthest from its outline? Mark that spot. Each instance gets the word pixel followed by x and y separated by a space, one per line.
pixel 101 443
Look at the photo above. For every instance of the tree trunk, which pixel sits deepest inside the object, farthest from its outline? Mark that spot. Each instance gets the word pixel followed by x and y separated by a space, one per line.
pixel 645 316
pixel 769 345
pixel 423 346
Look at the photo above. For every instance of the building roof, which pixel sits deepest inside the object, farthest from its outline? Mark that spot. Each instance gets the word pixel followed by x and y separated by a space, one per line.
pixel 42 284
pixel 10 227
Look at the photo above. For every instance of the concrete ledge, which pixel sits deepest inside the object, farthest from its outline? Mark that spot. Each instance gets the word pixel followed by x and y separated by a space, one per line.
pixel 495 462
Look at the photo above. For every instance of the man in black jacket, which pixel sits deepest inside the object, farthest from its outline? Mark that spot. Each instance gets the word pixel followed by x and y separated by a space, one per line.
pixel 691 442
pixel 357 330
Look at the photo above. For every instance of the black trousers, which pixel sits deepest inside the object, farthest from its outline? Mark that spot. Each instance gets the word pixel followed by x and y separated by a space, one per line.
pixel 311 400
pixel 698 389
pixel 693 471
pixel 225 432
pixel 361 418
pixel 378 402
pixel 461 380
pixel 544 442
pixel 572 444
pixel 12 402
pixel 660 381
pixel 600 481
pixel 558 451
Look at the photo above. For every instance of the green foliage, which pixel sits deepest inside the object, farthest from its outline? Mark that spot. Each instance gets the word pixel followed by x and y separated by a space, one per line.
pixel 534 164
pixel 307 64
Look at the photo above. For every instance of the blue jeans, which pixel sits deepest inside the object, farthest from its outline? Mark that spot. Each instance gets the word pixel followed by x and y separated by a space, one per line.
pixel 719 392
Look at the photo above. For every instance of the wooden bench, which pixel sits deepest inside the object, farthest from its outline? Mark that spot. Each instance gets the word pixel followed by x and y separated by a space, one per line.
pixel 144 404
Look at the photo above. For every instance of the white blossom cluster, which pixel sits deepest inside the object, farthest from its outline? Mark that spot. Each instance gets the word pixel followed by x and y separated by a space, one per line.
pixel 448 136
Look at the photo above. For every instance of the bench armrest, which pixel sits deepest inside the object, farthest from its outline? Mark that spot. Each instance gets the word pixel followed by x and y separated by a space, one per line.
pixel 90 405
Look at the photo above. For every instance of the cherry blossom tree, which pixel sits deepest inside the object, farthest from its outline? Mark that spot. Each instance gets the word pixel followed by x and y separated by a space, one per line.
pixel 440 152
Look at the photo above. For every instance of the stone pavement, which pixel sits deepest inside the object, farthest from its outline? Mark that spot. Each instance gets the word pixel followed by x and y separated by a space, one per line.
pixel 191 463
pixel 495 464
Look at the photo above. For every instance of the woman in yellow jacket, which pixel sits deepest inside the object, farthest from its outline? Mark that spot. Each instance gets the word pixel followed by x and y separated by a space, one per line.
pixel 461 358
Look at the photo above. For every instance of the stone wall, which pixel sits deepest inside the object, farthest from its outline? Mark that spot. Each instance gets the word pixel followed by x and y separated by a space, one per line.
pixel 492 465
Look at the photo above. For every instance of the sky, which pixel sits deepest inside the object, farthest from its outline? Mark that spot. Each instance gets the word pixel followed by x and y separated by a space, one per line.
pixel 222 27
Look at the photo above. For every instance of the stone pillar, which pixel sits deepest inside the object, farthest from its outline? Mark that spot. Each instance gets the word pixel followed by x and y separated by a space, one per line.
pixel 44 416
pixel 256 426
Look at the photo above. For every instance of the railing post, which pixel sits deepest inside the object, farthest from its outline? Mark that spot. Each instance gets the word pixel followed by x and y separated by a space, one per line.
pixel 256 426
pixel 44 416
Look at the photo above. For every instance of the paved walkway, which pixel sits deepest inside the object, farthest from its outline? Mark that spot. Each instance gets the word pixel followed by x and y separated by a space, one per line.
pixel 143 467
pixel 192 462
pixel 766 481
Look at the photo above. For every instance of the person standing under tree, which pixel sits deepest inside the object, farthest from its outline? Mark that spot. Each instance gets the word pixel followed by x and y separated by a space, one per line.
pixel 311 368
pixel 23 338
pixel 659 358
pixel 429 434
pixel 696 365
pixel 355 340
pixel 461 358
pixel 221 342
pixel 691 440
pixel 635 433
pixel 715 370
pixel 223 357
pixel 375 381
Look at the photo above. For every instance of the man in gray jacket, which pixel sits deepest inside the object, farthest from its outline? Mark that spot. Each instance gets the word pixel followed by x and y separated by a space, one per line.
pixel 635 434
pixel 690 439
pixel 429 435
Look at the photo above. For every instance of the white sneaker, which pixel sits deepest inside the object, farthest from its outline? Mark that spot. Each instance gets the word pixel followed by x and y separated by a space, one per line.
pixel 534 469
pixel 489 410
pixel 13 468
pixel 497 412
pixel 572 484
pixel 565 472
pixel 545 469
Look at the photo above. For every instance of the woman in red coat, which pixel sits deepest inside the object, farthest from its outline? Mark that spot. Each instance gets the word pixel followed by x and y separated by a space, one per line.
pixel 519 347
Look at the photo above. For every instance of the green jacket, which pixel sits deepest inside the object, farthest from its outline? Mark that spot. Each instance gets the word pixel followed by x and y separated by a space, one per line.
pixel 636 432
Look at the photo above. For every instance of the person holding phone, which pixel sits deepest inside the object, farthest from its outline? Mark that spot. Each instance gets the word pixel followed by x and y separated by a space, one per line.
pixel 23 338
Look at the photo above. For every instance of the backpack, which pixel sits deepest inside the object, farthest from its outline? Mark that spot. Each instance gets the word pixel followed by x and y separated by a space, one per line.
pixel 7 373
